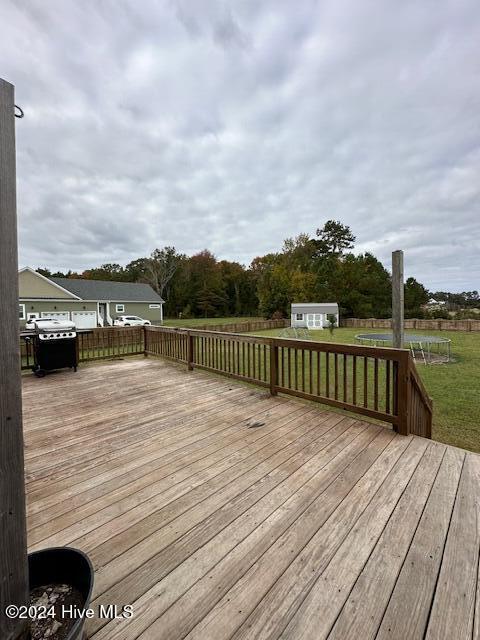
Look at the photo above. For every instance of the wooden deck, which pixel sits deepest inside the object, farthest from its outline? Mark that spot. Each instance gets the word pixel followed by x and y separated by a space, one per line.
pixel 221 512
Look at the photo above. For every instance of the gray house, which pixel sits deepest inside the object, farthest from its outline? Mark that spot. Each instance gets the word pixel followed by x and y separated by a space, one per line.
pixel 88 303
pixel 313 315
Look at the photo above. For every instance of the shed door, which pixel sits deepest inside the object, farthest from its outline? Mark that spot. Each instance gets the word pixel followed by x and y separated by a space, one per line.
pixel 314 321
pixel 84 319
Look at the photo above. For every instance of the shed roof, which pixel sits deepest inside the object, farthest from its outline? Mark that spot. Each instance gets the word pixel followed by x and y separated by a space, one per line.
pixel 314 307
pixel 108 290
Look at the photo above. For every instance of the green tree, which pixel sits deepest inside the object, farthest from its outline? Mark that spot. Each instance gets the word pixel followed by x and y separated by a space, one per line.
pixel 205 285
pixel 334 238
pixel 363 287
pixel 136 270
pixel 239 288
pixel 273 285
pixel 108 271
pixel 416 295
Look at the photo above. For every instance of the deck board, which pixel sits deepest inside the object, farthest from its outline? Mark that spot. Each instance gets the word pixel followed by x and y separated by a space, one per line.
pixel 316 524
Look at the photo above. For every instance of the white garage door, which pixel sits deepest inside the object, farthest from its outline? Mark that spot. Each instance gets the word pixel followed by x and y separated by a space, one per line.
pixel 84 319
pixel 58 315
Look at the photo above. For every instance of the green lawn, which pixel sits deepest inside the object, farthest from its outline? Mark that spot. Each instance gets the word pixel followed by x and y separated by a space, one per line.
pixel 454 387
pixel 195 322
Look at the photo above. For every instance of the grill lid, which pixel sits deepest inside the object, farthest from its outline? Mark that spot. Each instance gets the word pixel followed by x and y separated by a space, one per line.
pixel 50 326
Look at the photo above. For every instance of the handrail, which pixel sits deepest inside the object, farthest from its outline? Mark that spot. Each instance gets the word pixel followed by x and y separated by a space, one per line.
pixel 378 382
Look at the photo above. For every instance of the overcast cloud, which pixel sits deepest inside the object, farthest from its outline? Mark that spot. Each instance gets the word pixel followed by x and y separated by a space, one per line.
pixel 233 125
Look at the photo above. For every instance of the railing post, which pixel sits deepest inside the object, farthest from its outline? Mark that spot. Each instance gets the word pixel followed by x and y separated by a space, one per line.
pixel 145 343
pixel 273 367
pixel 189 351
pixel 403 394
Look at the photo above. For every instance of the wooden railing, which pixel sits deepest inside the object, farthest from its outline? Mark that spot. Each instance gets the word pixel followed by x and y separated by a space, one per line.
pixel 110 342
pixel 373 381
pixel 377 382
pixel 97 344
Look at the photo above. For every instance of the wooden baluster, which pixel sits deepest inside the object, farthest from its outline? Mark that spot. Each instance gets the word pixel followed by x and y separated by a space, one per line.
pixel 345 394
pixel 310 377
pixel 318 373
pixel 395 387
pixel 354 380
pixel 335 361
pixel 387 386
pixel 190 351
pixel 273 367
pixel 295 351
pixel 365 381
pixel 303 370
pixel 375 384
pixel 289 367
pixel 327 374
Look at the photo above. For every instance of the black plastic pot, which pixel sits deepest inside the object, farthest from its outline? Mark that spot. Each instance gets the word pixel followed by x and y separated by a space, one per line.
pixel 63 565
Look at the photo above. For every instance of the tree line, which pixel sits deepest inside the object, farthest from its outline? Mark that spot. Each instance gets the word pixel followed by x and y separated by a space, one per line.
pixel 322 268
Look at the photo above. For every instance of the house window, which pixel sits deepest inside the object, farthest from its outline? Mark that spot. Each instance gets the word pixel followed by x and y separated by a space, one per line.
pixel 21 312
pixel 119 308
pixel 154 306
pixel 299 316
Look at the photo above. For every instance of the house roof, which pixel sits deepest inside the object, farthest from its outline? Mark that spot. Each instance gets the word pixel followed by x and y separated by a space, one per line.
pixel 108 290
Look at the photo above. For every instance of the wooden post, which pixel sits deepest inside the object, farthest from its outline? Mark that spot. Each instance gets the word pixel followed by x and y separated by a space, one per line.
pixel 189 351
pixel 273 367
pixel 403 394
pixel 145 342
pixel 13 539
pixel 397 299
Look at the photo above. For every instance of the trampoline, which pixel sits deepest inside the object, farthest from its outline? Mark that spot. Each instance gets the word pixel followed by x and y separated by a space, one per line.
pixel 426 349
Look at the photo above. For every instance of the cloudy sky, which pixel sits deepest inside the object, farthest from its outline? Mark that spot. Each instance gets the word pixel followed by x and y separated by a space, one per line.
pixel 233 125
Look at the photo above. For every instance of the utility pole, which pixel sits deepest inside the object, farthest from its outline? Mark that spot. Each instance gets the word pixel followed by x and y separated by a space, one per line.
pixel 397 299
pixel 13 538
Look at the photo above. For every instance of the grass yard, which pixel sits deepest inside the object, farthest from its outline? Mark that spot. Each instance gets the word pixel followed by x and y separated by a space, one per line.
pixel 454 387
pixel 196 322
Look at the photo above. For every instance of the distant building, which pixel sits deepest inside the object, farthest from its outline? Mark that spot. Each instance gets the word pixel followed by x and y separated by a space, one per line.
pixel 88 303
pixel 436 303
pixel 313 315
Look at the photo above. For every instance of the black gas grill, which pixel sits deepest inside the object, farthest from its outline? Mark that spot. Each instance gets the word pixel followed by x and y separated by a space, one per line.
pixel 54 346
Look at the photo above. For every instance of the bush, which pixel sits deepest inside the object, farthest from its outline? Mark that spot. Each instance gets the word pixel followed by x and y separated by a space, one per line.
pixel 277 315
pixel 332 322
pixel 186 312
pixel 439 314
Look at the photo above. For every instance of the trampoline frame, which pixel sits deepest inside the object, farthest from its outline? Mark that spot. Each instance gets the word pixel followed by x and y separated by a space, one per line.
pixel 419 346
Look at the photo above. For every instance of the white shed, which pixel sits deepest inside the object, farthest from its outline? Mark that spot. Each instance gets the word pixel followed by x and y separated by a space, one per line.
pixel 313 315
